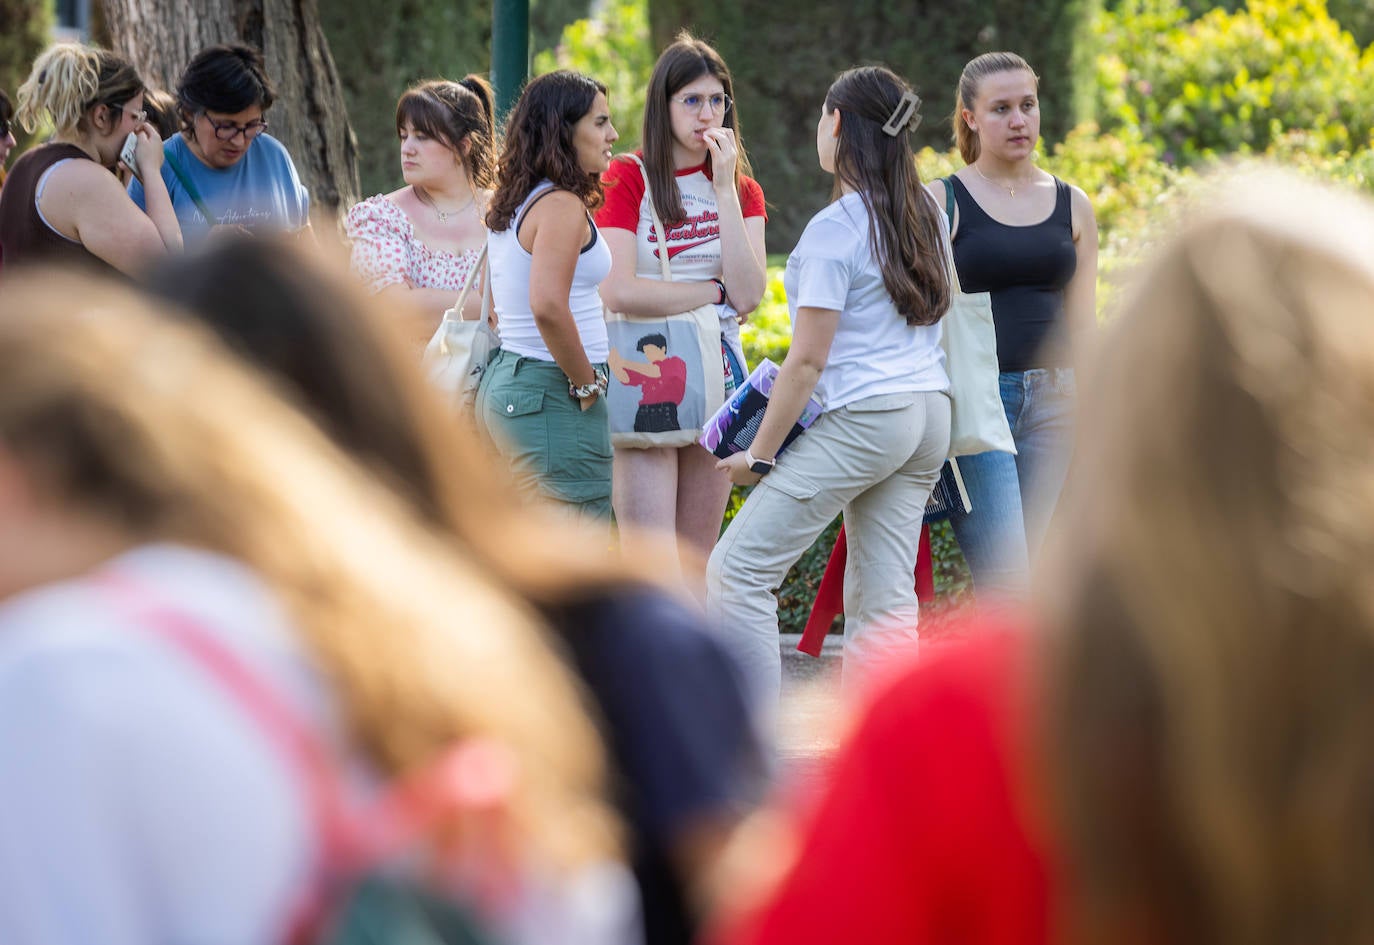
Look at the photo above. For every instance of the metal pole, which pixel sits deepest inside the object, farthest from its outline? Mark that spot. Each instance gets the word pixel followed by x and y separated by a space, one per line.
pixel 510 51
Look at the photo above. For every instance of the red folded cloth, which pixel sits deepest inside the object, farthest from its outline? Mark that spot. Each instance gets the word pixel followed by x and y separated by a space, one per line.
pixel 829 601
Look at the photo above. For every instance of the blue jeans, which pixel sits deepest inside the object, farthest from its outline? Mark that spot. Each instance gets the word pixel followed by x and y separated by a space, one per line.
pixel 1013 497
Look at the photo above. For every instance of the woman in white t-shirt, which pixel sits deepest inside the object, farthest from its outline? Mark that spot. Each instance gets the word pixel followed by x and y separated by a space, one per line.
pixel 714 216
pixel 867 286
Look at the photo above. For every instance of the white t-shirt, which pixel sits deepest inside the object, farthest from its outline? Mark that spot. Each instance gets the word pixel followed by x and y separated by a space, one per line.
pixel 510 265
pixel 875 351
pixel 138 802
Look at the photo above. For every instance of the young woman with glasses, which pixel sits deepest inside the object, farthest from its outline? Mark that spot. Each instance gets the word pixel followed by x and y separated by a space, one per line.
pixel 714 217
pixel 415 246
pixel 60 203
pixel 223 169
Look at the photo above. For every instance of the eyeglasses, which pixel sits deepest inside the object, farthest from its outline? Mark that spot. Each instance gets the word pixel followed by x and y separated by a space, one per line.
pixel 228 130
pixel 720 102
pixel 4 128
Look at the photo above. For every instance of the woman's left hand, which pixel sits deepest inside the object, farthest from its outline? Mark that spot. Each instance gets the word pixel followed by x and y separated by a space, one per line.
pixel 736 466
pixel 720 142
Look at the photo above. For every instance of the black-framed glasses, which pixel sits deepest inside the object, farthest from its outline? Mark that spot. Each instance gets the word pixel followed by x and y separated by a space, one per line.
pixel 228 130
pixel 720 102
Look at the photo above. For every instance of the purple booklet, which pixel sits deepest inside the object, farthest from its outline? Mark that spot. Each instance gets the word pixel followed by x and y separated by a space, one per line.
pixel 733 427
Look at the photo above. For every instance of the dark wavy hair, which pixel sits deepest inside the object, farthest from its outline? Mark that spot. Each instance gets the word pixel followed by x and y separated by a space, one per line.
pixel 539 144
pixel 903 221
pixel 452 111
pixel 686 60
pixel 224 78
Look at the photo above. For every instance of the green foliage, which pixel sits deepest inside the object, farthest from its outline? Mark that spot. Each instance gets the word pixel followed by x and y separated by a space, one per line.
pixel 382 48
pixel 1232 81
pixel 782 71
pixel 28 25
pixel 612 46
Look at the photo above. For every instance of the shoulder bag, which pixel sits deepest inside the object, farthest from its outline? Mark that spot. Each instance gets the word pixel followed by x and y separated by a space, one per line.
pixel 978 422
pixel 663 396
pixel 457 355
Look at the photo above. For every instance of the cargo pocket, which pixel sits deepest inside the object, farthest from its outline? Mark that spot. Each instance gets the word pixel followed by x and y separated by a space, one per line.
pixel 516 416
pixel 579 452
pixel 791 484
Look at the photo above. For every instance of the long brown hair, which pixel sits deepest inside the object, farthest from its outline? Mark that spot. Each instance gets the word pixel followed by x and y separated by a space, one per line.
pixel 539 145
pixel 903 221
pixel 454 112
pixel 152 426
pixel 334 352
pixel 1208 593
pixel 686 60
pixel 966 94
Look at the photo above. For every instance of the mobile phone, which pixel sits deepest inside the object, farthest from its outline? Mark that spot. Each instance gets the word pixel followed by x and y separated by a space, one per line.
pixel 129 156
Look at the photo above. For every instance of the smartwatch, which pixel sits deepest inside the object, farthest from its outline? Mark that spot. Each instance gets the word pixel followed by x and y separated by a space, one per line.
pixel 760 467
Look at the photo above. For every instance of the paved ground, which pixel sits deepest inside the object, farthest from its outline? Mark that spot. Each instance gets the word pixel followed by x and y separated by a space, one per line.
pixel 810 702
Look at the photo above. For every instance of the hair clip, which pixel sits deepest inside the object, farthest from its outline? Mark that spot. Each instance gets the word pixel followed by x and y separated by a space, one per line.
pixel 904 116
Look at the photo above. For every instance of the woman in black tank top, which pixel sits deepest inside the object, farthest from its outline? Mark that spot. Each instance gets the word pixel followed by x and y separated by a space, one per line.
pixel 1030 241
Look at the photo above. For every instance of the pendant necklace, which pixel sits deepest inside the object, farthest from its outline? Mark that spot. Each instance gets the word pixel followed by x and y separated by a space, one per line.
pixel 1011 190
pixel 443 215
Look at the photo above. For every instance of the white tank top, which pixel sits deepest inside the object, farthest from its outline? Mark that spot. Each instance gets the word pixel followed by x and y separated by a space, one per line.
pixel 510 290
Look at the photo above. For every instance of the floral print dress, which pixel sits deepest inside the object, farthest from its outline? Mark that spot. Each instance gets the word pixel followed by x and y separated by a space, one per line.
pixel 386 251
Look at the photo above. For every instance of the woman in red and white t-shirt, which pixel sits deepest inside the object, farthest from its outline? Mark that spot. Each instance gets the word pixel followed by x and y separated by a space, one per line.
pixel 714 216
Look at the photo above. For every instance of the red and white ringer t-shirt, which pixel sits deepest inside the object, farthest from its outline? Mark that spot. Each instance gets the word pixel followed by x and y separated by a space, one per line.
pixel 693 245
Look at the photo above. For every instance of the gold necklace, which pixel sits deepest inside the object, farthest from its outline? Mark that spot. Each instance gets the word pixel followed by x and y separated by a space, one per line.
pixel 428 201
pixel 1011 191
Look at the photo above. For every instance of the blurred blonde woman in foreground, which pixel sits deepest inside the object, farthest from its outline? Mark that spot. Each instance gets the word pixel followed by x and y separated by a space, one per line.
pixel 143 472
pixel 1181 752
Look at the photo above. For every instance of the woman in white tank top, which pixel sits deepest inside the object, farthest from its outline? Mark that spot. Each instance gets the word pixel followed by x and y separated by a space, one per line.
pixel 542 395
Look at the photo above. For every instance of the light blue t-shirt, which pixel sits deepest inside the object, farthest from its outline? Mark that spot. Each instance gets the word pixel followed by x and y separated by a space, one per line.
pixel 261 192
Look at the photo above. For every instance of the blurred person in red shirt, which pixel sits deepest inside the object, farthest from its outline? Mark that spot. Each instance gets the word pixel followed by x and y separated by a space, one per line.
pixel 1177 749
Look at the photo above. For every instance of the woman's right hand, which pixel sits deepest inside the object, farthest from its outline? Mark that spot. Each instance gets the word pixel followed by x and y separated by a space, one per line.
pixel 148 152
pixel 586 402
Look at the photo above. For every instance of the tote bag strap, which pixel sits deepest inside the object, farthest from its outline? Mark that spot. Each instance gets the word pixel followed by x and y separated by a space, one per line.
pixel 456 313
pixel 185 180
pixel 658 223
pixel 949 236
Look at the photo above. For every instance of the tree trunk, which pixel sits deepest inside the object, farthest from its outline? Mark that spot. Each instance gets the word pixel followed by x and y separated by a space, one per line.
pixel 310 118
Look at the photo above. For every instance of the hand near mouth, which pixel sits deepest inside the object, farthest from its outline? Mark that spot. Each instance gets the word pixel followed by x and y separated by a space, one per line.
pixel 720 144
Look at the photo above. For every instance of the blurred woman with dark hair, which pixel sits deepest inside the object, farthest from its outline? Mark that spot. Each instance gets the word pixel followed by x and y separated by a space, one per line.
pixel 60 203
pixel 223 169
pixel 416 245
pixel 672 702
pixel 543 396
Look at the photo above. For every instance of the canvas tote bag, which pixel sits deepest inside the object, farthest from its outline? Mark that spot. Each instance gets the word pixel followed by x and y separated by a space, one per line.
pixel 666 372
pixel 459 351
pixel 978 421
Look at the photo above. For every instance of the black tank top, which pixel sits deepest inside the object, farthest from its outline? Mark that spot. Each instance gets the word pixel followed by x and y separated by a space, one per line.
pixel 24 237
pixel 1024 269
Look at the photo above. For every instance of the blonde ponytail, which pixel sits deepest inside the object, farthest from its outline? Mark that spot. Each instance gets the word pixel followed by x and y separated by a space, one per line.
pixel 966 94
pixel 67 80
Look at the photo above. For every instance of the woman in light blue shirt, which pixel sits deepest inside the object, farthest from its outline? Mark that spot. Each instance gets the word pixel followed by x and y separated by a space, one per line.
pixel 224 169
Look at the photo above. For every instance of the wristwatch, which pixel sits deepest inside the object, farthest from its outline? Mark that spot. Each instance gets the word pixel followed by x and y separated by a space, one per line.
pixel 760 467
pixel 723 297
pixel 583 391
